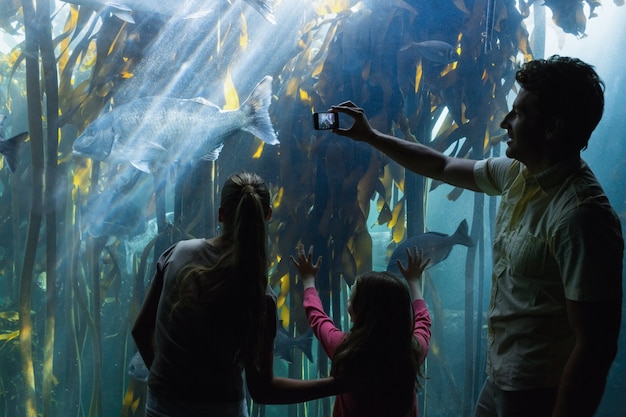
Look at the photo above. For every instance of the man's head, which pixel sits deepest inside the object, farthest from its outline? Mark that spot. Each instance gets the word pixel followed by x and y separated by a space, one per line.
pixel 569 90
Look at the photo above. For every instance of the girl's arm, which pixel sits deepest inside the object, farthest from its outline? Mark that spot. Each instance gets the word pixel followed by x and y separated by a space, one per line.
pixel 266 388
pixel 323 327
pixel 413 275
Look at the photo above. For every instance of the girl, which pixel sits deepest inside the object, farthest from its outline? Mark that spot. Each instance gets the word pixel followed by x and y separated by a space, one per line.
pixel 381 355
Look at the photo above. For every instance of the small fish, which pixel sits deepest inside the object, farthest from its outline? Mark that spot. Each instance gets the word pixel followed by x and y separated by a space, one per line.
pixel 158 131
pixel 284 344
pixel 439 52
pixel 436 246
pixel 180 8
pixel 137 368
pixel 10 147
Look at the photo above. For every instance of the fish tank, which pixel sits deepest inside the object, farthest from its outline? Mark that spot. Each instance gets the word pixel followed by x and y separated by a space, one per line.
pixel 121 121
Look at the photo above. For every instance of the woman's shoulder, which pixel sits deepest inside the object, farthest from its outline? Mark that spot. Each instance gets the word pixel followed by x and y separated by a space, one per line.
pixel 189 251
pixel 194 246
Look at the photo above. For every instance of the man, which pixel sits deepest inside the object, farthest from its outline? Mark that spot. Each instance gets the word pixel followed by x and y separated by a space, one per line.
pixel 555 308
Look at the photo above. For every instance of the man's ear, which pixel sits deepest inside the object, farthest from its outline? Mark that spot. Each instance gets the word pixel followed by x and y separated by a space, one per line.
pixel 555 128
pixel 220 215
pixel 269 214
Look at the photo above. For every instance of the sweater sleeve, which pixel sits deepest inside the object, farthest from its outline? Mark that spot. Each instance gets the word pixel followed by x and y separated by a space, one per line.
pixel 421 331
pixel 323 327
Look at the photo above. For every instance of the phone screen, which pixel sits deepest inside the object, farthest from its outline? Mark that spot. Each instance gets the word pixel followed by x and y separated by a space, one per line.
pixel 325 120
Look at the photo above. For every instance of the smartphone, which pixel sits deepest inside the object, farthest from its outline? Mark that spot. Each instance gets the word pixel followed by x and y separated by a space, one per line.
pixel 326 120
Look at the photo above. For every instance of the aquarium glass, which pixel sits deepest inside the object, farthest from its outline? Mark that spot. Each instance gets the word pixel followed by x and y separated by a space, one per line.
pixel 121 121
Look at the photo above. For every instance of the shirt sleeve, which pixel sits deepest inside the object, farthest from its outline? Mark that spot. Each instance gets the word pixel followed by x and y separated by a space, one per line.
pixel 421 330
pixel 323 327
pixel 491 175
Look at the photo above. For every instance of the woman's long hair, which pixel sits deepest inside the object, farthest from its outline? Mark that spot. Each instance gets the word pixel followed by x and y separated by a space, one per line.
pixel 240 271
pixel 380 350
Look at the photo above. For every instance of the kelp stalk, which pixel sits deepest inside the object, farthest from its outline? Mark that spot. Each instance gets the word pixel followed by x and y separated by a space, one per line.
pixel 37 163
pixel 52 105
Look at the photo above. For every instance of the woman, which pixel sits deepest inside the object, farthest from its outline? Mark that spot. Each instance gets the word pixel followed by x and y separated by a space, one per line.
pixel 382 353
pixel 209 315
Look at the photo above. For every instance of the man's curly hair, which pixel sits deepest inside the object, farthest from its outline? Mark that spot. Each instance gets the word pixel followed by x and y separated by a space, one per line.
pixel 569 89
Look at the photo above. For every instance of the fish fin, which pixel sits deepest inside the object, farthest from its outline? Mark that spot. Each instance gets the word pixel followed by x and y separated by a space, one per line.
pixel 256 107
pixel 407 45
pixel 198 15
pixel 214 154
pixel 462 236
pixel 266 8
pixel 123 16
pixel 141 165
pixel 307 343
pixel 204 102
pixel 10 149
pixel 121 11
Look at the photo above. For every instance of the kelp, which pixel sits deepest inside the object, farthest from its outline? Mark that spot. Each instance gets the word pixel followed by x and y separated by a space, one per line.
pixel 324 184
pixel 35 215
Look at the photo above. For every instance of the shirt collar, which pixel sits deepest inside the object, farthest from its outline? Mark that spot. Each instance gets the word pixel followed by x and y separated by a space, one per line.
pixel 556 174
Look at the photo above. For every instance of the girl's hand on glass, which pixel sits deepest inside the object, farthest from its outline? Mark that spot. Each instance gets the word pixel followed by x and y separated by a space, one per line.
pixel 305 266
pixel 415 264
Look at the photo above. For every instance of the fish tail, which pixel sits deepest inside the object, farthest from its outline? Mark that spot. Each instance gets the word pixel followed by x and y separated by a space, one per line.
pixel 10 148
pixel 266 8
pixel 462 236
pixel 306 343
pixel 256 107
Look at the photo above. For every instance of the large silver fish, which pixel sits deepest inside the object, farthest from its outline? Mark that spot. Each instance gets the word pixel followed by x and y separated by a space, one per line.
pixel 178 8
pixel 436 246
pixel 10 147
pixel 152 132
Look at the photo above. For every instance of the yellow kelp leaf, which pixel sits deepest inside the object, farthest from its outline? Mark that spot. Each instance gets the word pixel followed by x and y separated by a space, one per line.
pixel 396 213
pixel 128 401
pixel 292 87
pixel 135 405
pixel 285 316
pixel 9 336
pixel 486 140
pixel 278 198
pixel 243 35
pixel 318 69
pixel 230 93
pixel 10 315
pixel 259 150
pixel 448 69
pixel 284 291
pixel 418 75
pixel 81 179
pixel 398 232
pixel 399 228
pixel 114 44
pixel 305 97
pixel 325 7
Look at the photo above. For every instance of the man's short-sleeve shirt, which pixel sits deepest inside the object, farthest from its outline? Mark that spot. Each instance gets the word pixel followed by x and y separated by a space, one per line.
pixel 556 238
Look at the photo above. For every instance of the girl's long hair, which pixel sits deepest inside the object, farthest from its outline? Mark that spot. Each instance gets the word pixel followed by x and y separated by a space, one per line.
pixel 380 350
pixel 239 276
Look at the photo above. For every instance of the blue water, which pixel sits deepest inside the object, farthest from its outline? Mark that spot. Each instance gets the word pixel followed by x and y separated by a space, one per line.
pixel 325 187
